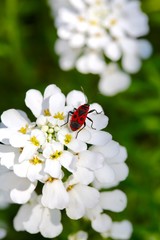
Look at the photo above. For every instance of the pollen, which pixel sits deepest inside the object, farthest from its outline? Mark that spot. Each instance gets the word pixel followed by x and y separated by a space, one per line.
pixel 23 129
pixel 113 22
pixel 69 188
pixel 34 141
pixel 50 179
pixel 59 116
pixel 35 161
pixel 93 22
pixel 68 138
pixel 56 155
pixel 47 112
pixel 81 19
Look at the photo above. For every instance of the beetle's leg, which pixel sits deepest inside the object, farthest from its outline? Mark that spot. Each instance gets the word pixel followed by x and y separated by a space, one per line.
pixel 94 110
pixel 91 122
pixel 81 129
pixel 69 113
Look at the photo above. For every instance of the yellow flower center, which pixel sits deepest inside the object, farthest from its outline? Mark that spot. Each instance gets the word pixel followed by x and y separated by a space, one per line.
pixel 113 22
pixel 50 179
pixel 81 19
pixel 93 22
pixel 23 129
pixel 68 138
pixel 47 112
pixel 59 116
pixel 56 155
pixel 69 188
pixel 35 161
pixel 34 141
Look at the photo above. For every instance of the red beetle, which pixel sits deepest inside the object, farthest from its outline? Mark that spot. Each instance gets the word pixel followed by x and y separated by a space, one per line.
pixel 78 117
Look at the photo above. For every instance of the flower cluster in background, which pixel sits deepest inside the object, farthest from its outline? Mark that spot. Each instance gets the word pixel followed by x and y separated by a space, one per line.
pixel 46 167
pixel 102 37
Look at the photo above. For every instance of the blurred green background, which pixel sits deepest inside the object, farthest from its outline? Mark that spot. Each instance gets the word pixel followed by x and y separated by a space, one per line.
pixel 27 60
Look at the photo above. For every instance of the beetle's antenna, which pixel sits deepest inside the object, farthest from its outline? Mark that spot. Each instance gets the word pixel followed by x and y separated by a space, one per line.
pixel 84 93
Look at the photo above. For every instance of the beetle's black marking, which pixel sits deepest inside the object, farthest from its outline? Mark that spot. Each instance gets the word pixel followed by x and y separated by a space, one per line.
pixel 81 112
pixel 75 125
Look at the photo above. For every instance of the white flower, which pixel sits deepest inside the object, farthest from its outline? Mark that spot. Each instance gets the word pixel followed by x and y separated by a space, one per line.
pixel 54 194
pixel 3 229
pixel 80 235
pixel 31 168
pixel 81 197
pixel 33 218
pixel 66 166
pixel 56 157
pixel 119 230
pixel 91 31
pixel 3 233
pixel 113 80
pixel 14 121
pixel 18 189
pixel 114 165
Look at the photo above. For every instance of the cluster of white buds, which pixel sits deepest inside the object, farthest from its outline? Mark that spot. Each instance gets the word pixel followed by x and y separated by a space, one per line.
pixel 96 34
pixel 47 167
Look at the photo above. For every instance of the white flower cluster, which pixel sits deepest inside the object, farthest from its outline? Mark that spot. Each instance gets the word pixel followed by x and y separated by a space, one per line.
pixel 95 34
pixel 46 167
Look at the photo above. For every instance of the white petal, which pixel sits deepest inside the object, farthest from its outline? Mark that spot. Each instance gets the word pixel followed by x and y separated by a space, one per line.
pixel 131 63
pixel 77 40
pixel 100 121
pixel 33 222
pixel 54 195
pixel 19 140
pixel 105 174
pixel 66 16
pixel 109 150
pixel 21 169
pixel 83 175
pixel 77 146
pixel 33 101
pixel 113 51
pixel 56 103
pixel 22 192
pixel 98 137
pixel 75 209
pixel 68 161
pixel 88 195
pixel 114 83
pixel 13 118
pixel 8 155
pixel 76 98
pixel 145 48
pixel 20 188
pixel 79 4
pixel 102 223
pixel 121 171
pixel 90 160
pixel 5 134
pixel 114 201
pixel 51 90
pixel 3 232
pixel 80 235
pixel 28 152
pixel 53 167
pixel 90 63
pixel 50 226
pixel 120 157
pixel 121 230
pixel 63 33
pixel 22 216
